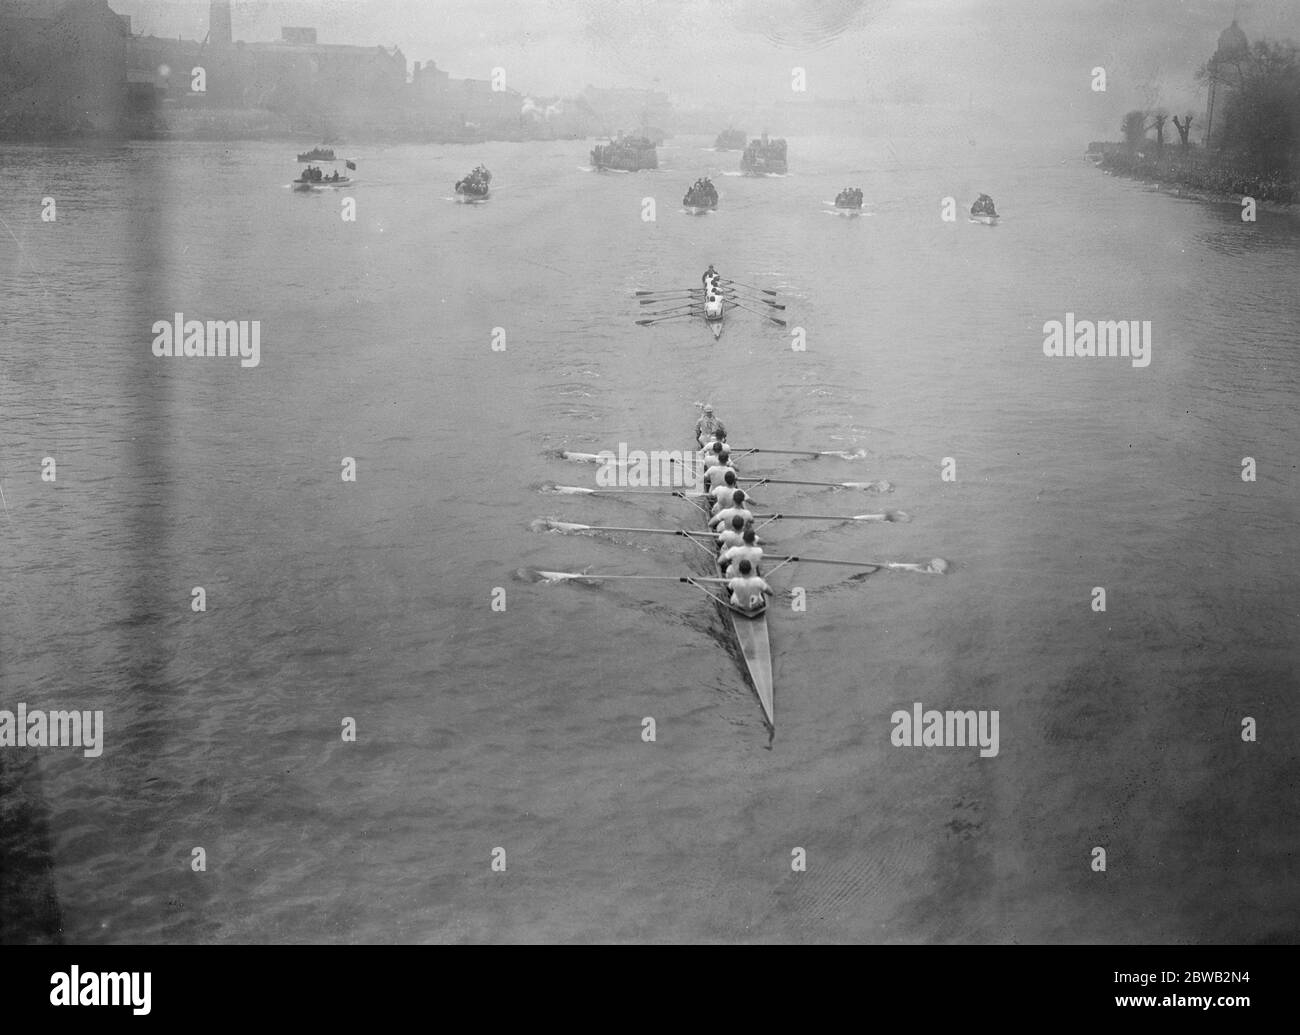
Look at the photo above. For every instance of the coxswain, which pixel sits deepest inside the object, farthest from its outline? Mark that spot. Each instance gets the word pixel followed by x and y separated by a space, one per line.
pixel 748 550
pixel 708 274
pixel 728 514
pixel 708 425
pixel 748 590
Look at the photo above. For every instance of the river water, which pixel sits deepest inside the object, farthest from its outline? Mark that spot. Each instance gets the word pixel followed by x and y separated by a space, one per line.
pixel 522 730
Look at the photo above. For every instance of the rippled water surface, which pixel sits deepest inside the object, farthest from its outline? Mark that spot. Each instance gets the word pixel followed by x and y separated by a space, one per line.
pixel 479 729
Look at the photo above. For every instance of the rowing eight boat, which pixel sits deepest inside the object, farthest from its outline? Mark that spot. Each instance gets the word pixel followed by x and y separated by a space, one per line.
pixel 749 627
pixel 751 633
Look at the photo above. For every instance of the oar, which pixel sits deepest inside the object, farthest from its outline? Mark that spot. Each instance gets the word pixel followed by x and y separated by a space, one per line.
pixel 736 299
pixel 864 486
pixel 556 576
pixel 578 490
pixel 733 296
pixel 757 312
pixel 888 515
pixel 752 287
pixel 674 309
pixel 938 566
pixel 799 452
pixel 573 526
pixel 560 576
pixel 696 297
pixel 661 319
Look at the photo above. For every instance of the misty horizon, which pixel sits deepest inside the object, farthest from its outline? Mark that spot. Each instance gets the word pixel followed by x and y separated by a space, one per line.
pixel 1026 62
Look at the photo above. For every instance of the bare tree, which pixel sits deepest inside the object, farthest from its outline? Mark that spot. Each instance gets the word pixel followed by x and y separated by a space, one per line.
pixel 1184 128
pixel 1158 122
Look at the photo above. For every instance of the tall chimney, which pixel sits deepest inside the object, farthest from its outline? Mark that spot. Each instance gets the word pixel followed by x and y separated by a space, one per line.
pixel 219 22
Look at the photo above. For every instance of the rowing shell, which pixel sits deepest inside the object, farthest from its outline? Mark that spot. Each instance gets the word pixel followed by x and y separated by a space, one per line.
pixel 752 638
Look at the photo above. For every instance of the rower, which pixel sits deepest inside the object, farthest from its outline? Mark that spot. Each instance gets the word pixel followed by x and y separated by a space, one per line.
pixel 718 471
pixel 719 443
pixel 727 514
pixel 748 550
pixel 709 273
pixel 709 425
pixel 748 590
pixel 726 492
pixel 733 534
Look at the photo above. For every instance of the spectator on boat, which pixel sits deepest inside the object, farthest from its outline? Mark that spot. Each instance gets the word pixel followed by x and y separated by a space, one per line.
pixel 748 590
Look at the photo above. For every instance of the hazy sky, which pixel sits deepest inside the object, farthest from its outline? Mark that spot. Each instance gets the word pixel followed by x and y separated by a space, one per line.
pixel 1027 59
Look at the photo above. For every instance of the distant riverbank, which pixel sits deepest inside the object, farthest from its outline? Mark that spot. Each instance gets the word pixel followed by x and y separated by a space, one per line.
pixel 234 124
pixel 1196 172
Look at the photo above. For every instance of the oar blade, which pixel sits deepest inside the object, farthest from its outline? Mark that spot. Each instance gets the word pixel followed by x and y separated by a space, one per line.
pixel 557 576
pixel 881 486
pixel 556 525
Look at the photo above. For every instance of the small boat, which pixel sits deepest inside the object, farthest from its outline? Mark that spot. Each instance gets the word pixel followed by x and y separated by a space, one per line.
pixel 318 154
pixel 984 211
pixel 626 154
pixel 474 187
pixel 849 199
pixel 314 179
pixel 763 157
pixel 702 197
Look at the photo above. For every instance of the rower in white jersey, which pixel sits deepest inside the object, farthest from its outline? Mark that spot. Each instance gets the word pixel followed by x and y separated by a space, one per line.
pixel 748 590
pixel 736 509
pixel 748 550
